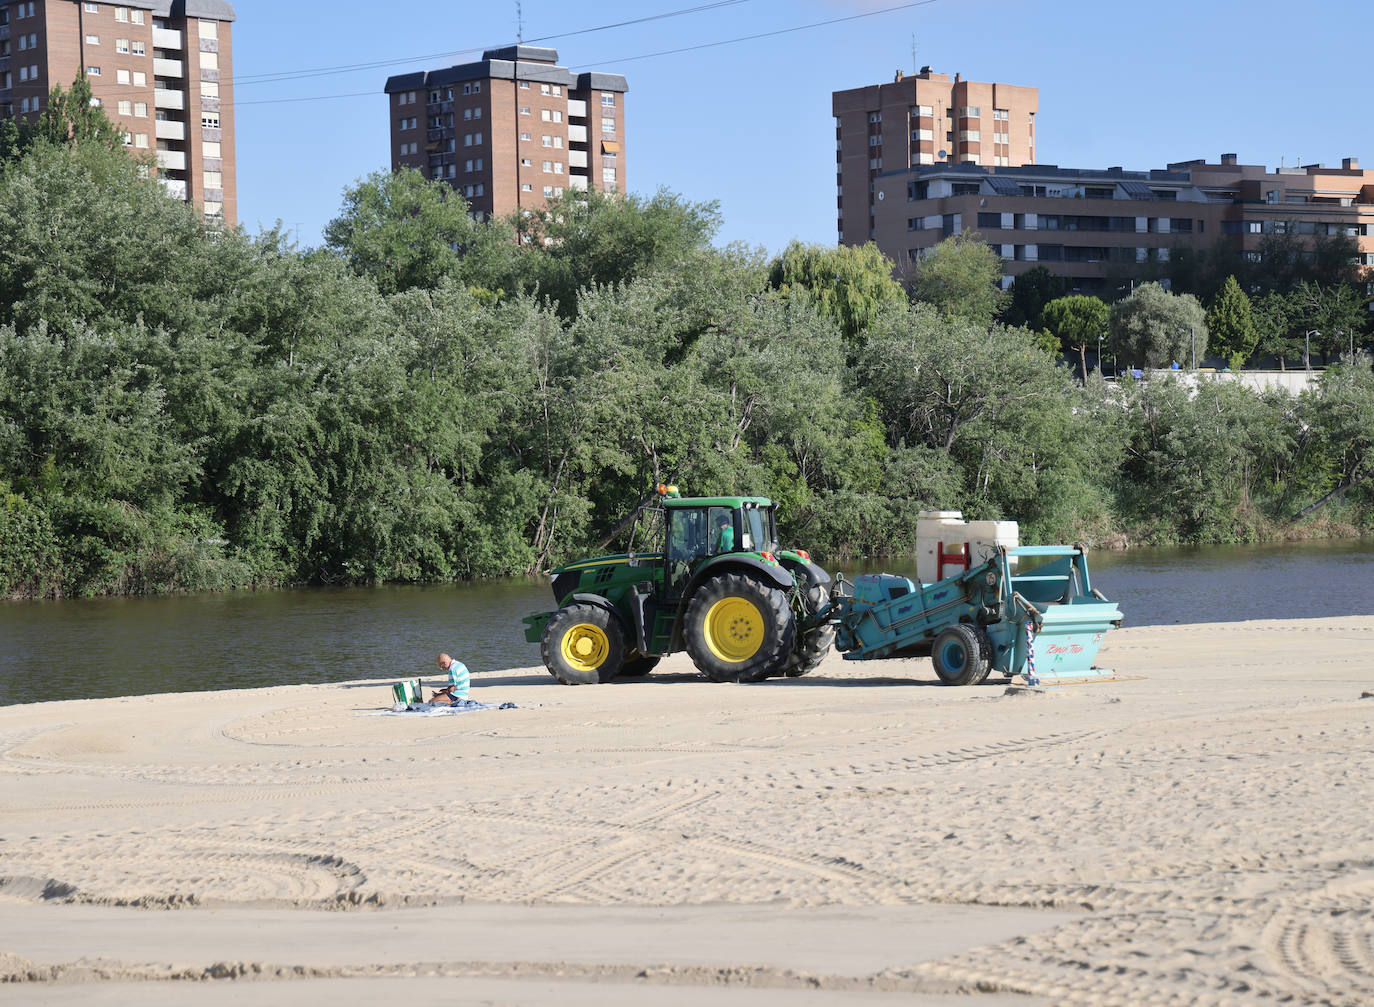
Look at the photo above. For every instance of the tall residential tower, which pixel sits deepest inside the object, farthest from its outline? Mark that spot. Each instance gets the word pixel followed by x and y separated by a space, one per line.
pixel 162 70
pixel 512 130
pixel 925 119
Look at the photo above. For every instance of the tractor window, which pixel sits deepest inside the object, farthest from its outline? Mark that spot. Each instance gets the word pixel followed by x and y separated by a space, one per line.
pixel 722 530
pixel 759 534
pixel 688 535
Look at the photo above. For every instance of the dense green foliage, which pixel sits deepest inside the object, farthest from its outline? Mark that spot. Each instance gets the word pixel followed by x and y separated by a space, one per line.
pixel 1077 322
pixel 1231 324
pixel 1154 328
pixel 429 398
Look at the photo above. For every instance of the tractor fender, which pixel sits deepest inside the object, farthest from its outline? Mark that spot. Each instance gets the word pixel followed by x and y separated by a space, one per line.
pixel 770 573
pixel 594 599
pixel 791 561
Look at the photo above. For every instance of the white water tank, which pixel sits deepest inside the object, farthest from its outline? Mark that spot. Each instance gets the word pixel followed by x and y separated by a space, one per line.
pixel 947 531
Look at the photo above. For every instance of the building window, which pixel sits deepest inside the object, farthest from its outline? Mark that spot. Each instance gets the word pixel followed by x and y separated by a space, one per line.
pixel 525 162
pixel 93 71
pixel 608 125
pixel 524 110
pixel 141 141
pixel 548 166
pixel 548 141
pixel 126 108
pixel 477 113
pixel 608 101
pixel 122 14
pixel 214 209
pixel 915 223
pixel 925 110
pixel 548 191
pixel 122 45
pixel 121 76
pixel 209 89
pixel 544 89
pixel 138 48
pixel 140 79
pixel 970 112
pixel 526 187
pixel 92 39
pixel 608 176
pixel 141 109
pixel 136 16
pixel 1001 114
pixel 91 8
pixel 406 123
pixel 526 136
pixel 214 180
pixel 209 61
pixel 524 85
pixel 210 120
pixel 989 221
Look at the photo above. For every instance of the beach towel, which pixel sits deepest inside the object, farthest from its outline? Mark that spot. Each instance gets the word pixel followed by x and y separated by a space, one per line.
pixel 437 709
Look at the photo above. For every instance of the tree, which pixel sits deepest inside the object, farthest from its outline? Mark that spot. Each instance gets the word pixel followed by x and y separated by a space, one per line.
pixel 1078 322
pixel 1153 327
pixel 1231 324
pixel 848 283
pixel 404 231
pixel 1029 293
pixel 1273 314
pixel 72 118
pixel 1333 311
pixel 961 277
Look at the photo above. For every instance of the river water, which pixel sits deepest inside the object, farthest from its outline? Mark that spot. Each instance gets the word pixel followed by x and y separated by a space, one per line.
pixel 135 646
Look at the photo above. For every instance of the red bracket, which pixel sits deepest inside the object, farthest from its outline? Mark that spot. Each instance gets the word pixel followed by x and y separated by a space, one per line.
pixel 962 558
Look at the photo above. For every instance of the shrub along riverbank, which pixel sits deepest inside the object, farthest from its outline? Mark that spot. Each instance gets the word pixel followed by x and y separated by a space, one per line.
pixel 187 409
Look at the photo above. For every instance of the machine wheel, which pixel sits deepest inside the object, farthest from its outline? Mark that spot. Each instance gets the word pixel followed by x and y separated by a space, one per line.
pixel 637 664
pixel 815 644
pixel 738 629
pixel 960 655
pixel 583 645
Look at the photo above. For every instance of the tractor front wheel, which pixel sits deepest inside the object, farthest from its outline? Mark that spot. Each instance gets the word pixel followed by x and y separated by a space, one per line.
pixel 961 655
pixel 583 645
pixel 738 629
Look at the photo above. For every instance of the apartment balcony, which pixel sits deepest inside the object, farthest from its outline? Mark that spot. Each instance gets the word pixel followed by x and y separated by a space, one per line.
pixel 209 45
pixel 168 67
pixel 211 134
pixel 214 195
pixel 4 32
pixel 209 74
pixel 577 108
pixel 176 187
pixel 440 134
pixel 171 160
pixel 577 159
pixel 170 129
pixel 209 104
pixel 167 98
pixel 577 182
pixel 166 38
pixel 577 134
pixel 4 63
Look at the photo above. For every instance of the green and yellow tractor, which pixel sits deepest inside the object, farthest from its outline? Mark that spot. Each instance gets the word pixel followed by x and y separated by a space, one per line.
pixel 710 580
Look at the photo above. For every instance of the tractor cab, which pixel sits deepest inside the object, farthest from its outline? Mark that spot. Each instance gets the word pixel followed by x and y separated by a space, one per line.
pixel 698 529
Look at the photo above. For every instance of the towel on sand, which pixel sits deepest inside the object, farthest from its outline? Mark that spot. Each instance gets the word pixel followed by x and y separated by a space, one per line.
pixel 437 709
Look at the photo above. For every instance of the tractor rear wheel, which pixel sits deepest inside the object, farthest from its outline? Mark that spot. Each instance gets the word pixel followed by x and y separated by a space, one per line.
pixel 961 655
pixel 583 645
pixel 738 629
pixel 816 642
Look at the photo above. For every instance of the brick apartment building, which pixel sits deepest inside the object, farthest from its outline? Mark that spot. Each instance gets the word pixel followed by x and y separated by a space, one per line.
pixel 512 130
pixel 161 69
pixel 1099 227
pixel 925 119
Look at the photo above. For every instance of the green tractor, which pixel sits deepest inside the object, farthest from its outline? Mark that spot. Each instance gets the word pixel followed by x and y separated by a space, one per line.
pixel 710 580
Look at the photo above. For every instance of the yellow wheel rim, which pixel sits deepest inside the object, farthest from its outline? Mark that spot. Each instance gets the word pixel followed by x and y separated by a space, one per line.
pixel 734 629
pixel 585 646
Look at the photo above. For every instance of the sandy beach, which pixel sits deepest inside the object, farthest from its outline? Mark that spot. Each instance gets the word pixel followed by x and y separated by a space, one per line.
pixel 1197 832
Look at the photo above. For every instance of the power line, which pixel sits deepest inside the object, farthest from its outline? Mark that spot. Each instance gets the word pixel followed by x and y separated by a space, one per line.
pixel 325 71
pixel 652 55
pixel 765 34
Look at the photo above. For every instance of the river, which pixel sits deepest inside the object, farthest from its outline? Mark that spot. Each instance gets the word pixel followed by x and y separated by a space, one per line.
pixel 135 646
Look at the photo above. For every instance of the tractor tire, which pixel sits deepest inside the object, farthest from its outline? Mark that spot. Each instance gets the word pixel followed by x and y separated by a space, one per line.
pixel 637 664
pixel 815 644
pixel 961 655
pixel 583 645
pixel 738 629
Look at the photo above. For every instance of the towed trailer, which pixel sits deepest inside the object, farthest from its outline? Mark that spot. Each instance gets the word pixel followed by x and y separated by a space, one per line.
pixel 1026 610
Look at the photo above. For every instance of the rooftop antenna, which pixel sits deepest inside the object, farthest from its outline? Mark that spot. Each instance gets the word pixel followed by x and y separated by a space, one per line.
pixel 519 24
pixel 914 67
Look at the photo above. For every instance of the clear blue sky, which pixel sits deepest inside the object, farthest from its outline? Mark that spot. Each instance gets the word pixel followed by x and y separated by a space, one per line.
pixel 749 124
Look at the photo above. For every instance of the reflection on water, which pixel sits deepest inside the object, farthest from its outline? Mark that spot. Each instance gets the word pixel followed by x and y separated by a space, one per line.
pixel 135 646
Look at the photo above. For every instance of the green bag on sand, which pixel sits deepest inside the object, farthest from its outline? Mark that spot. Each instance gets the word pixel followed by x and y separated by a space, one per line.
pixel 408 692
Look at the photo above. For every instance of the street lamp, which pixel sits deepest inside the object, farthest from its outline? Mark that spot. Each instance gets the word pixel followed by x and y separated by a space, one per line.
pixel 1099 353
pixel 1307 349
pixel 1192 334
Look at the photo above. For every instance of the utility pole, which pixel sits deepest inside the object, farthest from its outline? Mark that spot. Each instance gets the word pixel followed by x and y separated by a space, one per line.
pixel 519 24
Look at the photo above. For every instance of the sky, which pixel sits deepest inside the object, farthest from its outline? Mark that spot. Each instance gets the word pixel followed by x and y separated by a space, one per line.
pixel 747 124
